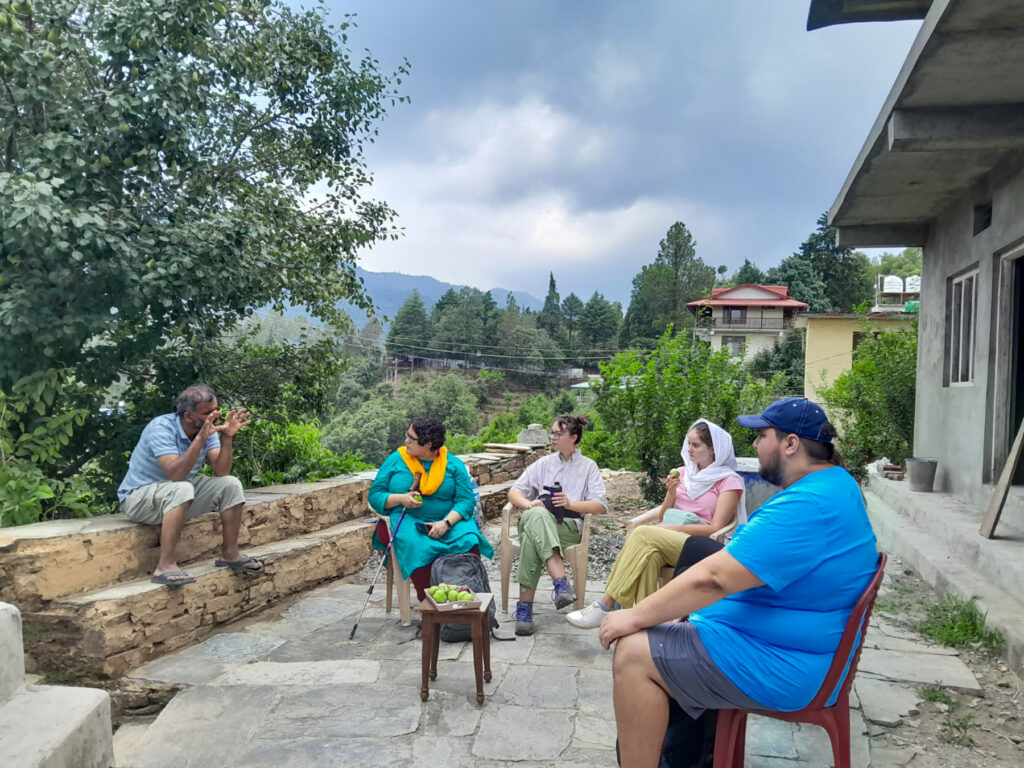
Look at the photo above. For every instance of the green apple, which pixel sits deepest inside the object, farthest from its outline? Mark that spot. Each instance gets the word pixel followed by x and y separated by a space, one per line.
pixel 674 473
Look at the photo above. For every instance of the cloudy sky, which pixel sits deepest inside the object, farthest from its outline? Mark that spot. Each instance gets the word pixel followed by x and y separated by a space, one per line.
pixel 568 136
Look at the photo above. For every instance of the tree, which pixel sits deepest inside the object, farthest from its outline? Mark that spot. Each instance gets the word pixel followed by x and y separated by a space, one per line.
pixel 874 401
pixel 158 167
pixel 637 328
pixel 646 402
pixel 748 273
pixel 662 290
pixel 903 264
pixel 692 278
pixel 843 271
pixel 804 283
pixel 786 358
pixel 550 316
pixel 599 326
pixel 410 330
pixel 572 310
pixel 461 324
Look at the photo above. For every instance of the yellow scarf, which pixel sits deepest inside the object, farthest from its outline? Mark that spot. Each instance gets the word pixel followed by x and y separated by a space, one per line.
pixel 429 481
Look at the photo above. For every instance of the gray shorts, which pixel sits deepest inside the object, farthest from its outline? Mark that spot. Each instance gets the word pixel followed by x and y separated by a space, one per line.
pixel 203 493
pixel 691 676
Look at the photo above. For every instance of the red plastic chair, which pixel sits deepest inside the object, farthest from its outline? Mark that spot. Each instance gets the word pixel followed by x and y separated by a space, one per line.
pixel 730 737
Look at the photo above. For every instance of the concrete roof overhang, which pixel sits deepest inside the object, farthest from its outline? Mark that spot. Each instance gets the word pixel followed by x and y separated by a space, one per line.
pixel 955 112
pixel 825 13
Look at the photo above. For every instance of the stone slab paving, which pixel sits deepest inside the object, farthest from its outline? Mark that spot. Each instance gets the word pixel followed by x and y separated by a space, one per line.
pixel 295 691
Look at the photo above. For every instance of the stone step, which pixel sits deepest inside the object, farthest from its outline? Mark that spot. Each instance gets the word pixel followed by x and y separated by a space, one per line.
pixel 45 726
pixel 937 536
pixel 52 560
pixel 12 657
pixel 104 633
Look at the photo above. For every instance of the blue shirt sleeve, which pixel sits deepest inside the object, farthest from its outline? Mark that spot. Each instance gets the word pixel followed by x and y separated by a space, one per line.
pixel 162 438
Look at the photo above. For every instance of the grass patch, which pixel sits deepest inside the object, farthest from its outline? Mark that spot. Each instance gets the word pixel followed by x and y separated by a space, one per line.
pixel 959 624
pixel 937 695
pixel 889 606
pixel 956 730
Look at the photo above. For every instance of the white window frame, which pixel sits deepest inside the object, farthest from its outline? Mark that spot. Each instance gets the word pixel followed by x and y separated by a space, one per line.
pixel 963 328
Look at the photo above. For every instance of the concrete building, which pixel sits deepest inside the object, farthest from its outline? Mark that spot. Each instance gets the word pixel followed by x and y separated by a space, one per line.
pixel 745 319
pixel 831 340
pixel 943 168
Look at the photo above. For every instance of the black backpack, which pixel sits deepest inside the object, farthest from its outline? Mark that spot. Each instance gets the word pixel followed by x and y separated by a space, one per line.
pixel 465 570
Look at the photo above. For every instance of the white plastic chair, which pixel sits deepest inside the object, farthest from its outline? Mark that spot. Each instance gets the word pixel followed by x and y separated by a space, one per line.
pixel 394 573
pixel 576 556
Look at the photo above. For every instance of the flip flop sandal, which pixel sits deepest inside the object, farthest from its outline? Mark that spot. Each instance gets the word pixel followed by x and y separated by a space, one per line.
pixel 173 579
pixel 241 566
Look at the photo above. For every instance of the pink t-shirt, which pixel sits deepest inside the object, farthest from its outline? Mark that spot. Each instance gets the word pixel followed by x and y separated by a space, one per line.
pixel 704 506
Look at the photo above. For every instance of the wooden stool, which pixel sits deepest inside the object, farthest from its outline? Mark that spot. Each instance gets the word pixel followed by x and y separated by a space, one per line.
pixel 480 623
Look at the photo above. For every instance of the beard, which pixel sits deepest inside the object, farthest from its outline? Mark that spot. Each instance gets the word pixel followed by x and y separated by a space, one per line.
pixel 770 469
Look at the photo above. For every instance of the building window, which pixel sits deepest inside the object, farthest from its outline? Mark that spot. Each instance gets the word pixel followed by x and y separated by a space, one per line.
pixel 734 315
pixel 962 313
pixel 735 344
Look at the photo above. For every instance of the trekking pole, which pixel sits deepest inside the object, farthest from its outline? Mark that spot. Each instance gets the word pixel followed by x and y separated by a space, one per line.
pixel 383 559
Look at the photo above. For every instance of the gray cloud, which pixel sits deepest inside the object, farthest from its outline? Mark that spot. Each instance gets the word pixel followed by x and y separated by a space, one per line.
pixel 568 137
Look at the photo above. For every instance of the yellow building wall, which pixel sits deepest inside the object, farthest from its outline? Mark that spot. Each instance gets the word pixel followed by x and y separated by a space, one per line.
pixel 828 347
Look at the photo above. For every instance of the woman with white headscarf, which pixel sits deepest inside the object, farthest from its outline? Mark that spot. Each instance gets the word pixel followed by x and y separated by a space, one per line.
pixel 701 497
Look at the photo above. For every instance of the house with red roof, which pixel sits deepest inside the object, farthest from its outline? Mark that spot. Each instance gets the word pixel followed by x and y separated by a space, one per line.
pixel 745 318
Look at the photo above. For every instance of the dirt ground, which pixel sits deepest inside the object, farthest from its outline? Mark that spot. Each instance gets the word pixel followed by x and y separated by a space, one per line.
pixel 965 732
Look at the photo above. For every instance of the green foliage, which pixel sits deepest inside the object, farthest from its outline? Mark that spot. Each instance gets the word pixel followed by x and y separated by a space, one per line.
pixel 461 444
pixel 873 403
pixel 446 398
pixel 843 271
pixel 958 623
pixel 646 403
pixel 536 409
pixel 605 448
pixel 785 357
pixel 937 695
pixel 749 273
pixel 804 282
pixel 373 430
pixel 486 385
pixel 503 429
pixel 409 334
pixel 167 167
pixel 35 425
pixel 271 453
pixel 903 264
pixel 564 403
pixel 956 730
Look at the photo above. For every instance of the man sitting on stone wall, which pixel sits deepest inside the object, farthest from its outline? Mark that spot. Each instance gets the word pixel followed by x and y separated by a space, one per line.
pixel 765 614
pixel 162 486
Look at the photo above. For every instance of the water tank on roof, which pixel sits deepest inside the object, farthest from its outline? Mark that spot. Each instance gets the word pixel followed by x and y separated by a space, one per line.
pixel 892 284
pixel 914 284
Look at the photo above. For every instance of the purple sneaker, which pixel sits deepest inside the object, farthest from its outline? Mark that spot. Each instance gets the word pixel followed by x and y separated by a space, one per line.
pixel 563 595
pixel 524 618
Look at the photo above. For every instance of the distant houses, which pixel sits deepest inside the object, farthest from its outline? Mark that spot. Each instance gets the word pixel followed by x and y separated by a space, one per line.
pixel 746 318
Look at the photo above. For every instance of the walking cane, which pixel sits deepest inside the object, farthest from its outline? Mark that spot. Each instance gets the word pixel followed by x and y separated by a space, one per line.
pixel 383 559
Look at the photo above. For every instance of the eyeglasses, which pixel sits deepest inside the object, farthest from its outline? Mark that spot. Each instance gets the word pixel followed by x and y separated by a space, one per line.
pixel 555 435
pixel 411 438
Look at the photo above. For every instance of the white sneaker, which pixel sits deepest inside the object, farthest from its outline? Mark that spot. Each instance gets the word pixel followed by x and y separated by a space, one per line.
pixel 589 617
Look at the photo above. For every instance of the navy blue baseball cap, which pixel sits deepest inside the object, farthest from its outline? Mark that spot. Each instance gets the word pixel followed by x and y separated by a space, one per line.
pixel 794 416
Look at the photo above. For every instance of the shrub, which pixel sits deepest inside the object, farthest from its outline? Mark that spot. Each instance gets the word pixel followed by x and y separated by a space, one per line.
pixel 873 403
pixel 647 401
pixel 269 453
pixel 35 425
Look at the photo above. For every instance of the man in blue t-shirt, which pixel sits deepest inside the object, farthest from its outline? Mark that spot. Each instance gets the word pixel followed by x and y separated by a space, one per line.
pixel 162 486
pixel 766 612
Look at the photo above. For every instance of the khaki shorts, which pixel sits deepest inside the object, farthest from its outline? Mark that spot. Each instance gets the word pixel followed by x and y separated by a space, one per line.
pixel 203 493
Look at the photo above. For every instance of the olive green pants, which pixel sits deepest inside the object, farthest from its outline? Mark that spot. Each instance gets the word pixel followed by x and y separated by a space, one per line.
pixel 539 537
pixel 648 549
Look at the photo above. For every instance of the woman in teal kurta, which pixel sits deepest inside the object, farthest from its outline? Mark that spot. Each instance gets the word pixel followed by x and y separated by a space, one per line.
pixel 445 503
